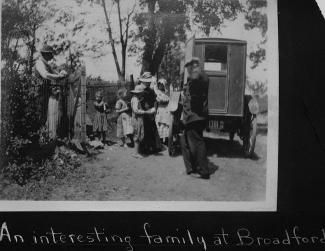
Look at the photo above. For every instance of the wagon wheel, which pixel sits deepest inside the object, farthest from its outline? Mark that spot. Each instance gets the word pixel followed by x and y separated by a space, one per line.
pixel 171 136
pixel 250 137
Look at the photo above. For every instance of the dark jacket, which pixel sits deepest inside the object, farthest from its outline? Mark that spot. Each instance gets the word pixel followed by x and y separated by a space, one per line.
pixel 195 102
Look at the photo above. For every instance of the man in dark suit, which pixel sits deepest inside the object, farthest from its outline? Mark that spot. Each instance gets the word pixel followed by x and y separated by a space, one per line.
pixel 194 118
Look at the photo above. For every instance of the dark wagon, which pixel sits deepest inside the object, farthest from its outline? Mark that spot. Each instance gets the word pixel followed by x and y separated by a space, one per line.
pixel 230 110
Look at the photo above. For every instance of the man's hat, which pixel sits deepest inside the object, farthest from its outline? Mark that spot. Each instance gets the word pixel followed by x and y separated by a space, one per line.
pixel 47 49
pixel 192 60
pixel 138 89
pixel 146 77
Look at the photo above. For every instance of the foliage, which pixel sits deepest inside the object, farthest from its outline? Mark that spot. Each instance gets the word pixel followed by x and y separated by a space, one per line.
pixel 170 65
pixel 59 166
pixel 258 88
pixel 168 20
pixel 21 123
pixel 210 14
pixel 257 18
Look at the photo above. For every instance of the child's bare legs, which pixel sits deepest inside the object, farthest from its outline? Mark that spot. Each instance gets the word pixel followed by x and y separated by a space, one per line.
pixel 136 153
pixel 103 137
pixel 123 143
pixel 130 136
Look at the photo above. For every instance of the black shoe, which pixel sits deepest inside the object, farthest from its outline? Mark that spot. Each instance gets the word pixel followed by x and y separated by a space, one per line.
pixel 205 176
pixel 190 172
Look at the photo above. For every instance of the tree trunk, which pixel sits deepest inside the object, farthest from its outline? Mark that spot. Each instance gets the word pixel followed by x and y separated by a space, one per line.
pixel 150 40
pixel 109 29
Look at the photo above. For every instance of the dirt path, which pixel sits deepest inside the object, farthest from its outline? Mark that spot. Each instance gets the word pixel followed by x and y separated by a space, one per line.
pixel 115 175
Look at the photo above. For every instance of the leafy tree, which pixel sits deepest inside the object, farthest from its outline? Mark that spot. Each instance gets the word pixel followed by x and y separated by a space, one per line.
pixel 164 18
pixel 19 109
pixel 257 18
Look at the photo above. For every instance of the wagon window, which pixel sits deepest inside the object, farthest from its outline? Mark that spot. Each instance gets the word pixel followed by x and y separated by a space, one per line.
pixel 215 58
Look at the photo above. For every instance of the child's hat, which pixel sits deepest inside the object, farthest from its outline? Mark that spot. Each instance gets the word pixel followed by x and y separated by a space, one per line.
pixel 146 77
pixel 138 89
pixel 192 61
pixel 47 49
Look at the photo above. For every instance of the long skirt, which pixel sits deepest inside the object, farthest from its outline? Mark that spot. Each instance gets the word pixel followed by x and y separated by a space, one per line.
pixel 77 123
pixel 100 122
pixel 124 125
pixel 151 141
pixel 138 128
pixel 53 117
pixel 163 120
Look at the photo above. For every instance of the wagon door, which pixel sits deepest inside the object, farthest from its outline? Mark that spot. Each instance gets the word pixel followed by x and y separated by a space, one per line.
pixel 216 67
pixel 237 77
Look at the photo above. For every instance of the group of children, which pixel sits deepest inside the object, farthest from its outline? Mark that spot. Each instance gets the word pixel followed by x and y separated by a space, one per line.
pixel 132 116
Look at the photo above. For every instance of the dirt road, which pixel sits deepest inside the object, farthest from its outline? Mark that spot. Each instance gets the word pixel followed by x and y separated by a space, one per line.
pixel 116 175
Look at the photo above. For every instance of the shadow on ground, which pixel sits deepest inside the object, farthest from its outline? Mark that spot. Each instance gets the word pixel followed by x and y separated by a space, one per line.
pixel 226 148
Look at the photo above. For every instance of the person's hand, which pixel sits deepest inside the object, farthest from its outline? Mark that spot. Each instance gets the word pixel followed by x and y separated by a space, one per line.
pixel 152 110
pixel 63 74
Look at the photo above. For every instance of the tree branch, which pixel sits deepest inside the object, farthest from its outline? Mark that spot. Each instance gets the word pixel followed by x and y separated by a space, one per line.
pixel 120 22
pixel 128 24
pixel 109 29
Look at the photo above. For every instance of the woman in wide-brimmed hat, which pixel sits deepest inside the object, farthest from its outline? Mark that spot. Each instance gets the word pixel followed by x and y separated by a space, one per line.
pixel 48 77
pixel 151 142
pixel 137 119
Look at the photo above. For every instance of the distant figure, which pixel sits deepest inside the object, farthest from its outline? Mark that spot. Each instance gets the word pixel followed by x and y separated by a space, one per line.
pixel 151 142
pixel 137 119
pixel 124 127
pixel 100 124
pixel 194 118
pixel 44 71
pixel 163 115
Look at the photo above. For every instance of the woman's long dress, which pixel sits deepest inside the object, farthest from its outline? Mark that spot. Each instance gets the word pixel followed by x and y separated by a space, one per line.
pixel 151 142
pixel 163 115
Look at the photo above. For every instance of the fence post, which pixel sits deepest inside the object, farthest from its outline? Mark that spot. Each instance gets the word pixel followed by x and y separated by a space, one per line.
pixel 132 85
pixel 83 102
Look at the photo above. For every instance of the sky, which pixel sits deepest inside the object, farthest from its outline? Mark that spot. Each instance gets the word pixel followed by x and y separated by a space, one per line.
pixel 104 66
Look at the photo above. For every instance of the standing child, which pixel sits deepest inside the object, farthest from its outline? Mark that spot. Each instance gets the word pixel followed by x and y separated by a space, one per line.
pixel 137 119
pixel 124 127
pixel 163 114
pixel 100 121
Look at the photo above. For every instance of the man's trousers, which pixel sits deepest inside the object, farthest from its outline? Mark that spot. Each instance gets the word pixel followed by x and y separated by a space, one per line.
pixel 193 148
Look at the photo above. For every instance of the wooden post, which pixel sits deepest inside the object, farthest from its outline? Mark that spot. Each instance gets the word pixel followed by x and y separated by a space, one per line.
pixel 132 85
pixel 83 102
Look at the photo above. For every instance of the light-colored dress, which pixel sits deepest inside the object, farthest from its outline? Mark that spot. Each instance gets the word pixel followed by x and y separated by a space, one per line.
pixel 163 115
pixel 124 123
pixel 137 120
pixel 53 106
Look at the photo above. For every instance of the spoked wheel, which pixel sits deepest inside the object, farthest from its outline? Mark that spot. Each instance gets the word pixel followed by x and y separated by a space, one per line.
pixel 249 139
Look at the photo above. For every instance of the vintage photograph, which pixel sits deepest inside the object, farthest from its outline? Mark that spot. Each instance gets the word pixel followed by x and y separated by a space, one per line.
pixel 139 105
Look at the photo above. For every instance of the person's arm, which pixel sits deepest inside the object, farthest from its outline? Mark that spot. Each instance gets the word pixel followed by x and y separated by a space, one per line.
pixel 135 107
pixel 119 108
pixel 41 69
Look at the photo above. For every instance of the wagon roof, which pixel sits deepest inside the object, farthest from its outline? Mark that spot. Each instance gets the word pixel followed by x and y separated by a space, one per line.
pixel 220 40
